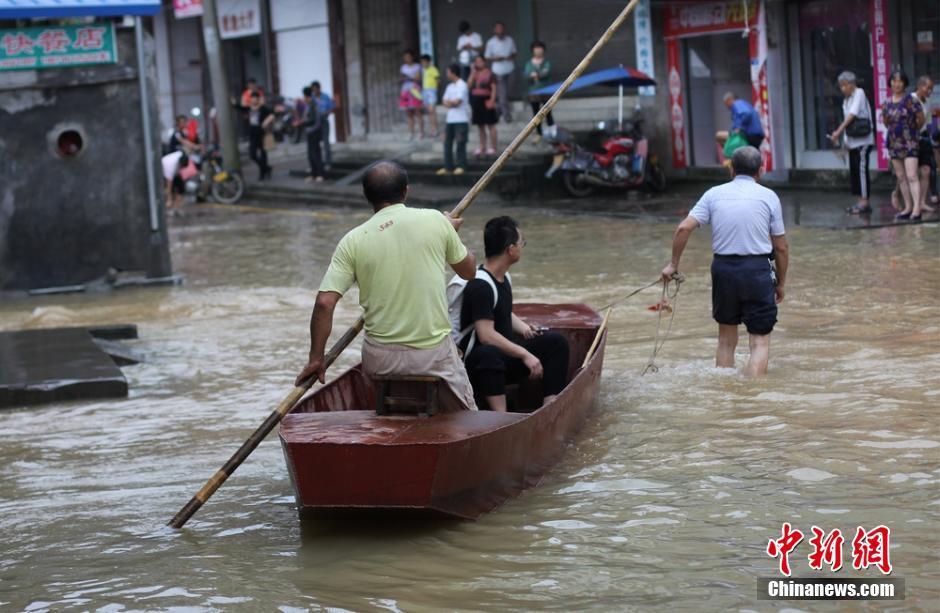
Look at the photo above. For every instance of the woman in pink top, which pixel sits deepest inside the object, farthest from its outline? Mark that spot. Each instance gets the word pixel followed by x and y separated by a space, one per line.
pixel 409 98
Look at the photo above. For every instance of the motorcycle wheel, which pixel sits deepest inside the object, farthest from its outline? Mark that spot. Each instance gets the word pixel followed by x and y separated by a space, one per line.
pixel 574 187
pixel 655 178
pixel 230 190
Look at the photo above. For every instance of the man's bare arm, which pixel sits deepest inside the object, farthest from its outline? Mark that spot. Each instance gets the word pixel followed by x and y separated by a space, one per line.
pixel 487 334
pixel 466 268
pixel 679 240
pixel 321 324
pixel 782 258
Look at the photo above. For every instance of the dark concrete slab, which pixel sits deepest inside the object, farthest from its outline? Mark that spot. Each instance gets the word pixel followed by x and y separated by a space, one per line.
pixel 38 366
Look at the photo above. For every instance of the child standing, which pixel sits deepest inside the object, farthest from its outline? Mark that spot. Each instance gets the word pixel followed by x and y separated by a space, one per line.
pixel 431 78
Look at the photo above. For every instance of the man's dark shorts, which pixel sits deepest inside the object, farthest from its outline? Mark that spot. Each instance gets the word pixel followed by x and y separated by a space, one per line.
pixel 743 291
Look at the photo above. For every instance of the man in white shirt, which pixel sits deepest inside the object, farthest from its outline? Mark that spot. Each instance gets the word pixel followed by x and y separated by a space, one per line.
pixel 747 230
pixel 469 46
pixel 501 52
pixel 456 100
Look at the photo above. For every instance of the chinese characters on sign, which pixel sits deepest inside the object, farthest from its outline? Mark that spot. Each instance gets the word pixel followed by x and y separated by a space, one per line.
pixel 239 18
pixel 869 548
pixel 57 46
pixel 187 8
pixel 882 59
pixel 644 44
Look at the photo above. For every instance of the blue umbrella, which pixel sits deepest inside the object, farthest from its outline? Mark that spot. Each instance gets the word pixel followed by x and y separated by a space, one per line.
pixel 618 76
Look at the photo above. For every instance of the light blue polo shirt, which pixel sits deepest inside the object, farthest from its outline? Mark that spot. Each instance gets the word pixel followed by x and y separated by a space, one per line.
pixel 743 215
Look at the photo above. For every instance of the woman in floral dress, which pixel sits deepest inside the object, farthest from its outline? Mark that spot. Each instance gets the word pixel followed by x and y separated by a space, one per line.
pixel 903 116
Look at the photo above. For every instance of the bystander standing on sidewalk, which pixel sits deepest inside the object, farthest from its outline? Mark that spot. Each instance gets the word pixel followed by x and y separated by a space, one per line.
pixel 469 46
pixel 537 70
pixel 501 51
pixel 903 116
pixel 457 101
pixel 483 91
pixel 409 95
pixel 313 130
pixel 431 80
pixel 926 165
pixel 857 129
pixel 326 106
pixel 747 231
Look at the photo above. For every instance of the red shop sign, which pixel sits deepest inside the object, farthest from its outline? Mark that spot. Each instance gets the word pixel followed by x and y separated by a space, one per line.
pixel 690 18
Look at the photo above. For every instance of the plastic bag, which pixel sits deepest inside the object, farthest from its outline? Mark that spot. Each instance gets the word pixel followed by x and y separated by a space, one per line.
pixel 734 142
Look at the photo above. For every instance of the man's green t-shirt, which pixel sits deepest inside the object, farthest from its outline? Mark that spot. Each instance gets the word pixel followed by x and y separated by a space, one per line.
pixel 397 257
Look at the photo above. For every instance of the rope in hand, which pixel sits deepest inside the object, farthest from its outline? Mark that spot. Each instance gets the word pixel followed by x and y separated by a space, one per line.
pixel 672 296
pixel 630 295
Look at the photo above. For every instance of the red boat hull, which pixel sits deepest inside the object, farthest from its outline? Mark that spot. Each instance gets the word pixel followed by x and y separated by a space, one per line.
pixel 344 458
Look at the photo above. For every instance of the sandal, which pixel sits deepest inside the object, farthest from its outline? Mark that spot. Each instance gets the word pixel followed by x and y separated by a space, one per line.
pixel 902 216
pixel 916 217
pixel 491 152
pixel 858 210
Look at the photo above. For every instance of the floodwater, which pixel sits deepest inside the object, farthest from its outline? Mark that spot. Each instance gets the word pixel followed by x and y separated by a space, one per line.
pixel 665 501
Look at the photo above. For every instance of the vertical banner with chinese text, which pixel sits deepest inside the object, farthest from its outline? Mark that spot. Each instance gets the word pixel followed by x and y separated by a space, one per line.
pixel 643 33
pixel 676 114
pixel 882 64
pixel 757 41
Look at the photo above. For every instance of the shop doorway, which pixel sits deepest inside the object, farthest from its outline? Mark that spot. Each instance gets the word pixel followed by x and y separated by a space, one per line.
pixel 715 64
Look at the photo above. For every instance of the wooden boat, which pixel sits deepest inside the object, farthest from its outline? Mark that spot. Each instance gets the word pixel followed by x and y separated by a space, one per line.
pixel 344 458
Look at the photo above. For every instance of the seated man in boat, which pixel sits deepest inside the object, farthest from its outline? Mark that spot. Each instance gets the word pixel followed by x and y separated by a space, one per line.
pixel 502 348
pixel 397 258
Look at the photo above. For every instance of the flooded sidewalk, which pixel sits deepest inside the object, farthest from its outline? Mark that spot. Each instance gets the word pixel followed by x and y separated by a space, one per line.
pixel 666 501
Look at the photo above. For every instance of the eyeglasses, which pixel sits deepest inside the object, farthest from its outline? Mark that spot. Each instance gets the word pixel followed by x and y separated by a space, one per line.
pixel 520 243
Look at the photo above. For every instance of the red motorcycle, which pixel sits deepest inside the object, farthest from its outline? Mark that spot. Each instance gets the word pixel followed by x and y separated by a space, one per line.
pixel 620 160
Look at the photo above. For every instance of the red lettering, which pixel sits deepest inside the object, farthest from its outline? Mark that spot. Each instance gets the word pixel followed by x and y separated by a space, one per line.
pixel 89 38
pixel 15 44
pixel 54 41
pixel 828 550
pixel 871 549
pixel 782 547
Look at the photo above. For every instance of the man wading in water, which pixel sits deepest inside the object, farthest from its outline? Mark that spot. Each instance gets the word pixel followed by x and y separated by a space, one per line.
pixel 747 229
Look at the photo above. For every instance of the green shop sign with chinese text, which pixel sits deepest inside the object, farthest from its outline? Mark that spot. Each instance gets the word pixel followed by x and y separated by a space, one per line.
pixel 57 46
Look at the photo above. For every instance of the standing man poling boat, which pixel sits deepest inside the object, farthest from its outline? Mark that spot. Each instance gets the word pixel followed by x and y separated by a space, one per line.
pixel 397 258
pixel 501 348
pixel 747 231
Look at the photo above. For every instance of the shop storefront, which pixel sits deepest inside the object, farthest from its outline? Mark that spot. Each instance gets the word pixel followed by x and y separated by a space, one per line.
pixel 713 48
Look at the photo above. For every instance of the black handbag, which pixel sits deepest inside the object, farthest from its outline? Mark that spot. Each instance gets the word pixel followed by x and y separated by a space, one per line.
pixel 860 126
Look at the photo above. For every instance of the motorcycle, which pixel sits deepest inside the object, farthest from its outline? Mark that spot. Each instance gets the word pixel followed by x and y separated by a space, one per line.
pixel 622 160
pixel 211 177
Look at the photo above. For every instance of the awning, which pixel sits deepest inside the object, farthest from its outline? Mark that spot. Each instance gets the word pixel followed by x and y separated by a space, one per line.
pixel 611 77
pixel 25 9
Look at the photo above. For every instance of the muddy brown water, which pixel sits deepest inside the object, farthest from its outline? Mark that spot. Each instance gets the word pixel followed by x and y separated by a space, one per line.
pixel 665 501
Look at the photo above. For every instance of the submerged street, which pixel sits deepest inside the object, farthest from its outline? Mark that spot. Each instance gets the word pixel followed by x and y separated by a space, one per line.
pixel 667 499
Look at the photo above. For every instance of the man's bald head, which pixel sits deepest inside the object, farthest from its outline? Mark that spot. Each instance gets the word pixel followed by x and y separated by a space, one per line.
pixel 385 182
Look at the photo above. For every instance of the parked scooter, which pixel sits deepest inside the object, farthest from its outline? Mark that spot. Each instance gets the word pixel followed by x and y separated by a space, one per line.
pixel 225 186
pixel 622 160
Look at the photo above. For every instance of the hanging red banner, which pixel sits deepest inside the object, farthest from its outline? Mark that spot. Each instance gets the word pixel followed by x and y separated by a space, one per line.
pixel 882 64
pixel 757 41
pixel 676 114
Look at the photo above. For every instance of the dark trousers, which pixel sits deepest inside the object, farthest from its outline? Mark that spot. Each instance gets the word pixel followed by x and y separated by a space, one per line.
pixel 464 72
pixel 325 142
pixel 858 171
pixel 754 140
pixel 313 154
pixel 456 133
pixel 257 153
pixel 549 120
pixel 490 369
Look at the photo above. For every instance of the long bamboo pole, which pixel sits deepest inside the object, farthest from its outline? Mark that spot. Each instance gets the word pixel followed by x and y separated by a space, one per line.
pixel 214 482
